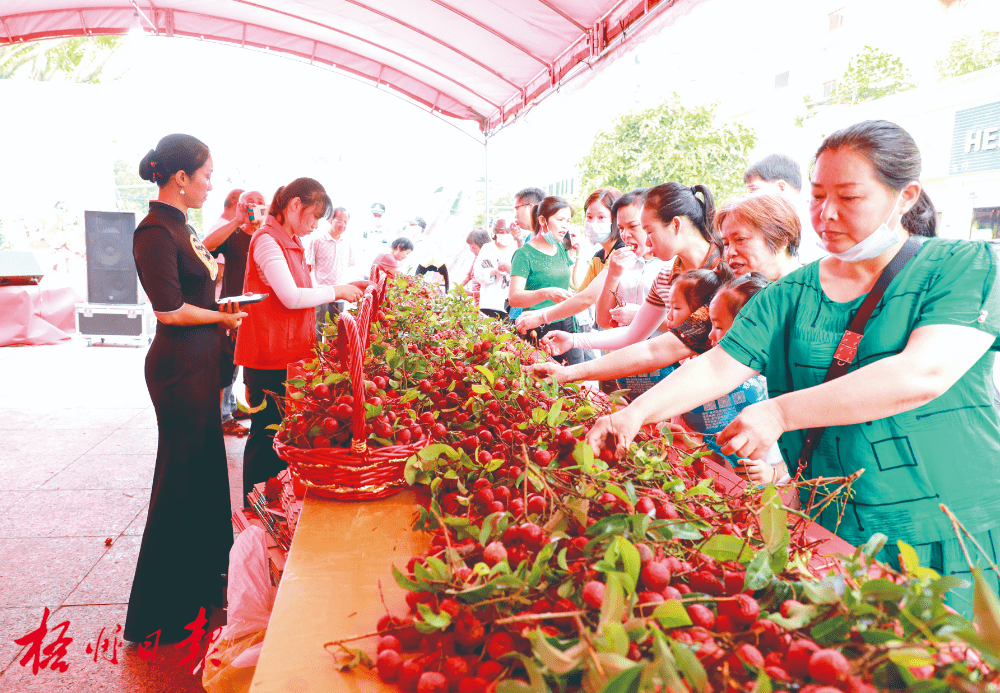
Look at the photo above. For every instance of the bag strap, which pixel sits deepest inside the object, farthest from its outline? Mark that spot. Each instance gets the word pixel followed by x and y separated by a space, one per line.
pixel 848 347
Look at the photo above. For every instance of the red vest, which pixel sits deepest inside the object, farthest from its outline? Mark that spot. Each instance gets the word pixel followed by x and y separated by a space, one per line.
pixel 272 336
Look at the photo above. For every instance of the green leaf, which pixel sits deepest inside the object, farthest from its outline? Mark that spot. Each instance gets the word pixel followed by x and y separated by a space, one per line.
pixel 799 617
pixel 878 637
pixel 480 389
pixel 348 658
pixel 820 594
pixel 616 491
pixel 626 682
pixel 779 559
pixel 615 637
pixel 583 455
pixel 612 524
pixel 487 372
pixel 630 558
pixel 874 545
pixel 883 590
pixel 759 573
pixel 554 412
pixel 911 657
pixel 538 415
pixel 689 666
pixel 540 563
pixel 613 607
pixel 774 521
pixel 986 612
pixel 685 530
pixel 436 450
pixel 561 560
pixel 946 583
pixel 405 582
pixel 762 684
pixel 552 658
pixel 723 547
pixel 671 614
pixel 833 630
pixel 438 568
pixel 439 621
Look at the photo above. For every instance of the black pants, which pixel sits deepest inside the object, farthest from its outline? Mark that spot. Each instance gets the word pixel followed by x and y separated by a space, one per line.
pixel 260 461
pixel 493 313
pixel 574 355
pixel 185 546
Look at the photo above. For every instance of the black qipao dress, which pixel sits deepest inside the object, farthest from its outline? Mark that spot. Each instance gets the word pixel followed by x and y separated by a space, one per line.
pixel 185 546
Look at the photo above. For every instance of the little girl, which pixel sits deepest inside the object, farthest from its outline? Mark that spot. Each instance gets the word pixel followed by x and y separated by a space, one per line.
pixel 714 416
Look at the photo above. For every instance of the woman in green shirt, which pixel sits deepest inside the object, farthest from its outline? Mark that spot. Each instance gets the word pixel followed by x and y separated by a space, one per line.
pixel 541 269
pixel 915 410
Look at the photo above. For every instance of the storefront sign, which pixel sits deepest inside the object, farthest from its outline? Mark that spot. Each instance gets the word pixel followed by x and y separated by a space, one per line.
pixel 975 144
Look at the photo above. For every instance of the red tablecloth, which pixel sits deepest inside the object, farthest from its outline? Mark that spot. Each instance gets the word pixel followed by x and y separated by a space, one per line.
pixel 42 314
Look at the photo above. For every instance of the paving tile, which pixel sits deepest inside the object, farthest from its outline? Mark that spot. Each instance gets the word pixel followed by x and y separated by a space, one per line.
pixel 52 441
pixel 80 513
pixel 110 580
pixel 37 572
pixel 93 471
pixel 164 673
pixel 85 417
pixel 9 498
pixel 138 525
pixel 31 470
pixel 15 622
pixel 22 418
pixel 145 418
pixel 128 441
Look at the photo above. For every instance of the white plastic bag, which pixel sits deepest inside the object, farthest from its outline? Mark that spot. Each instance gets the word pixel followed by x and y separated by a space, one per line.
pixel 230 665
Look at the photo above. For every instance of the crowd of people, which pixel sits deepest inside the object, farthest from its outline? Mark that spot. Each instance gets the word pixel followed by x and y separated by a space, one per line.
pixel 706 317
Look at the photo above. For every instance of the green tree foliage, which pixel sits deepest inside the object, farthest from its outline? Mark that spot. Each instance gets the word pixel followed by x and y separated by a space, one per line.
pixel 69 60
pixel 968 55
pixel 669 143
pixel 870 75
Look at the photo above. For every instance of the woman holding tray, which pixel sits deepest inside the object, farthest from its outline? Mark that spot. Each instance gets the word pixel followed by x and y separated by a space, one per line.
pixel 914 408
pixel 185 546
pixel 282 328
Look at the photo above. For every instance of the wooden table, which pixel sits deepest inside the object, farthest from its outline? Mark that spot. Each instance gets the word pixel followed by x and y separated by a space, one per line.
pixel 329 591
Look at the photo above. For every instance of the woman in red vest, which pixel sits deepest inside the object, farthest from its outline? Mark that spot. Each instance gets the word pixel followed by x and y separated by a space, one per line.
pixel 282 328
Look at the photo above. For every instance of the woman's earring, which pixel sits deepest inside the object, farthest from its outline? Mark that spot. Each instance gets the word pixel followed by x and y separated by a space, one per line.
pixel 182 191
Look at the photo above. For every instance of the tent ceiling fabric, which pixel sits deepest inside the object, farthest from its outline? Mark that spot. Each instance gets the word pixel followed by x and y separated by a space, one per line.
pixel 481 60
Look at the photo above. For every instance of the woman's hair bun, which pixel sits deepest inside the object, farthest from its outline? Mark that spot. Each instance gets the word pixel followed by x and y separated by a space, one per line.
pixel 147 166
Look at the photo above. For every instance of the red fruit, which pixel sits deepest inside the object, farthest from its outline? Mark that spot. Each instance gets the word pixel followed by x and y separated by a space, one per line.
pixel 797 657
pixel 724 624
pixel 494 553
pixel 455 669
pixel 769 634
pixel 645 553
pixel 425 386
pixel 778 674
pixel 403 436
pixel 484 457
pixel 650 597
pixel 786 607
pixel 469 631
pixel 593 594
pixel 489 670
pixel 450 607
pixel 389 664
pixel 499 645
pixel 774 659
pixel 321 442
pixel 671 592
pixel 425 419
pixel 485 437
pixel 517 506
pixel 387 621
pixel 856 685
pixel 495 507
pixel 734 581
pixel 344 412
pixel 439 431
pixel 565 437
pixel 321 391
pixel 644 506
pixel 329 426
pixel 702 616
pixel 666 511
pixel 749 655
pixel 432 682
pixel 389 642
pixel 484 496
pixel 608 455
pixel 743 609
pixel 536 505
pixel 473 684
pixel 409 674
pixel 501 493
pixel 541 457
pixel 655 576
pixel 828 667
pixel 532 536
pixel 704 581
pixel 516 555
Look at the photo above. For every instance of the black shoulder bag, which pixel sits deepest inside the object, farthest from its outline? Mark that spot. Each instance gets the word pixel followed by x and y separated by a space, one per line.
pixel 848 346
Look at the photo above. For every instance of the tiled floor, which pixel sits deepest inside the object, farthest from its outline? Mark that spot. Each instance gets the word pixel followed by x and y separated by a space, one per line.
pixel 77 450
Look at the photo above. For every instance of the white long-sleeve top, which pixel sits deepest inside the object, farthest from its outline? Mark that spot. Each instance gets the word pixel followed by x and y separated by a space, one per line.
pixel 274 272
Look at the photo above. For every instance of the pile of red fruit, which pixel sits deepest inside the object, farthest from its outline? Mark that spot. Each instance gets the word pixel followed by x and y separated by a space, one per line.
pixel 550 569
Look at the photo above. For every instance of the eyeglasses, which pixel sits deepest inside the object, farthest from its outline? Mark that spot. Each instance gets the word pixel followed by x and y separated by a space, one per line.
pixel 526 204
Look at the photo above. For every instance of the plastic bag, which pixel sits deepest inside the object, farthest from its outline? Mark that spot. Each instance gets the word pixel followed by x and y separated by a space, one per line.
pixel 230 665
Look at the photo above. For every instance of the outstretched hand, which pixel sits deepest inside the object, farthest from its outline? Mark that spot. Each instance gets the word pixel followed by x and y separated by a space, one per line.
pixel 753 432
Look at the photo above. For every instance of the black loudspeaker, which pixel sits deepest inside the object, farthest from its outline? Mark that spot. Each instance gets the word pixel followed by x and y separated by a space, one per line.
pixel 19 268
pixel 111 276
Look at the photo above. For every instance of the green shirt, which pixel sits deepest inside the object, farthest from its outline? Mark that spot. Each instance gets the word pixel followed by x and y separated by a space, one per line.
pixel 541 271
pixel 946 451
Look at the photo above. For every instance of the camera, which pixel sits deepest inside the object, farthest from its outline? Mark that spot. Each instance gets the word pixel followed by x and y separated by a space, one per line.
pixel 257 213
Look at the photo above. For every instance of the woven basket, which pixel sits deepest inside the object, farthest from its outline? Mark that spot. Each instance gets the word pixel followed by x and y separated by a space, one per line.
pixel 357 472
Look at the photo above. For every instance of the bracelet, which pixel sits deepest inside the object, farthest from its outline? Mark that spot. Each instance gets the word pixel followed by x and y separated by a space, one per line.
pixel 545 317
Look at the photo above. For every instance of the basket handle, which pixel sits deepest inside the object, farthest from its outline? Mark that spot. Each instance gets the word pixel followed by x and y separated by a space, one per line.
pixel 349 344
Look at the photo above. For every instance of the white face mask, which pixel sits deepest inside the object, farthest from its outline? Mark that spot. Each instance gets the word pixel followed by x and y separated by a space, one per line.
pixel 504 239
pixel 597 231
pixel 873 246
